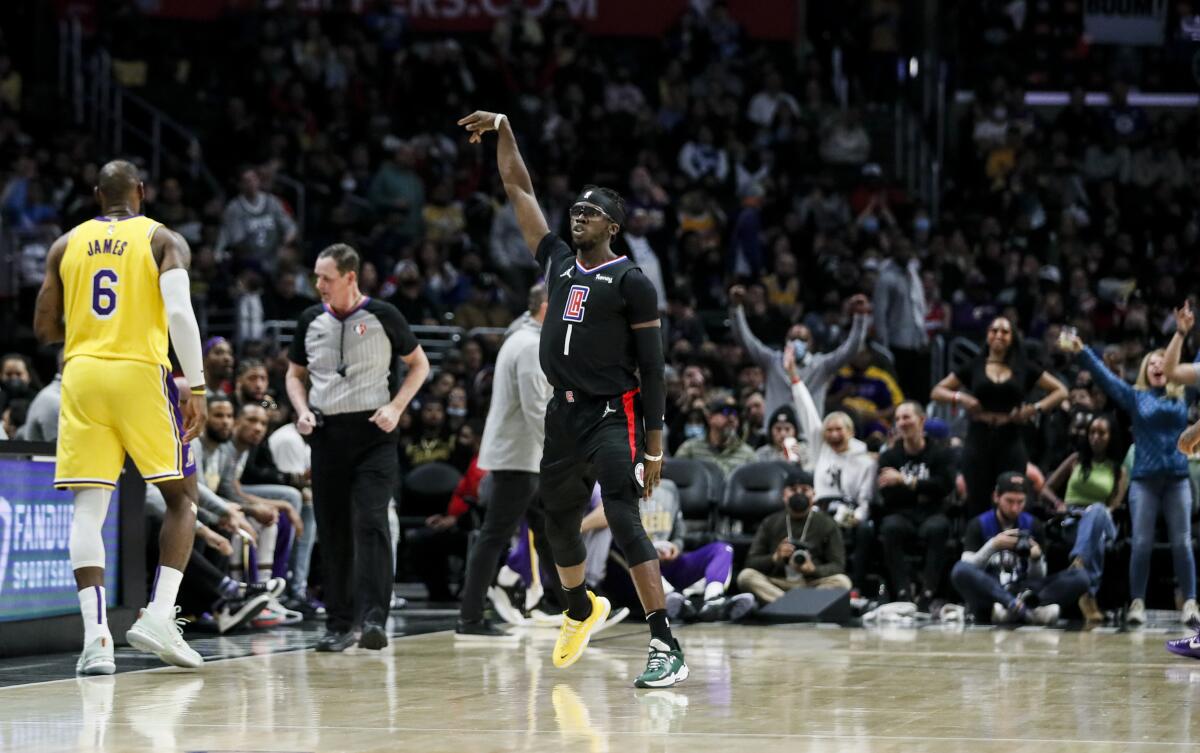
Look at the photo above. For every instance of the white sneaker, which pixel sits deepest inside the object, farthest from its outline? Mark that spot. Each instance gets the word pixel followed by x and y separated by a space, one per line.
pixel 1045 615
pixel 1137 612
pixel 1000 614
pixel 97 658
pixel 164 639
pixel 1190 615
pixel 504 606
pixel 545 619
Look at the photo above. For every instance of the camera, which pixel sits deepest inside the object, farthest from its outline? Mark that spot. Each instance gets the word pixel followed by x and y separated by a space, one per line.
pixel 1024 544
pixel 801 554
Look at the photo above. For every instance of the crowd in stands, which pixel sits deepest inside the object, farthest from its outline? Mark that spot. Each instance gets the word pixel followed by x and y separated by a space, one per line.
pixel 806 296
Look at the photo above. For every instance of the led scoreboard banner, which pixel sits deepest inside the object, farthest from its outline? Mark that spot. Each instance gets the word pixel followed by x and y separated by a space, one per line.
pixel 36 579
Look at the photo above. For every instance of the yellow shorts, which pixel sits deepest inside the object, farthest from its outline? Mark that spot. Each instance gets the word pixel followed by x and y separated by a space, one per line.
pixel 112 407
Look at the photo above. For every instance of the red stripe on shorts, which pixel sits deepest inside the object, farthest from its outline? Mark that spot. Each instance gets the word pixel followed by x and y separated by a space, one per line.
pixel 627 404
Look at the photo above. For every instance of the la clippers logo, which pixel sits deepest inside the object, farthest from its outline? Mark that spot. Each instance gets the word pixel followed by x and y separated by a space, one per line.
pixel 575 300
pixel 360 328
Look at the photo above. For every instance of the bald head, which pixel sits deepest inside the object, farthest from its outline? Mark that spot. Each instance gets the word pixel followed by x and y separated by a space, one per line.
pixel 119 184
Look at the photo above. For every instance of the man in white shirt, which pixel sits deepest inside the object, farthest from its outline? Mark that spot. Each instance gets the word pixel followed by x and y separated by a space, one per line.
pixel 294 456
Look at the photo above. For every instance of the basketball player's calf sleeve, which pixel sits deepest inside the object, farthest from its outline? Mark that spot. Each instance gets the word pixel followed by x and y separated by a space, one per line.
pixel 651 374
pixel 87 540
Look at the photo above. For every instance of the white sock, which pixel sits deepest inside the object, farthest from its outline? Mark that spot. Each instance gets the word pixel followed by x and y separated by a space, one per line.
pixel 166 588
pixel 95 614
pixel 714 590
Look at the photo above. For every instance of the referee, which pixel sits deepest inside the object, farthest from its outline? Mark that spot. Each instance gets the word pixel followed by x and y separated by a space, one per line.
pixel 346 347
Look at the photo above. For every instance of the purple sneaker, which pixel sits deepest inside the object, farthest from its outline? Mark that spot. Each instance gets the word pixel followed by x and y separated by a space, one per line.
pixel 1189 647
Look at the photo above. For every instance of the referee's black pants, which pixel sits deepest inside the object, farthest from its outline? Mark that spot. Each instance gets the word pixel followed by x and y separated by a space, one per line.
pixel 354 471
pixel 511 495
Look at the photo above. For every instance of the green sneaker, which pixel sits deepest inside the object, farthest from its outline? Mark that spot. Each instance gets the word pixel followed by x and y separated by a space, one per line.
pixel 664 666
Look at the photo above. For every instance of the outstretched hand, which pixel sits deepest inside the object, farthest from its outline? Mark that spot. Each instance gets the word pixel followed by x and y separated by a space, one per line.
pixel 478 123
pixel 1185 318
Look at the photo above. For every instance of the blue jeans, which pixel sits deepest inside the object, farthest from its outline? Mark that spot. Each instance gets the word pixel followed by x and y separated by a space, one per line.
pixel 1172 497
pixel 1095 530
pixel 980 589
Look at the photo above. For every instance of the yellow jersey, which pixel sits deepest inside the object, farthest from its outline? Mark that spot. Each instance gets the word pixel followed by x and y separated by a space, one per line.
pixel 111 299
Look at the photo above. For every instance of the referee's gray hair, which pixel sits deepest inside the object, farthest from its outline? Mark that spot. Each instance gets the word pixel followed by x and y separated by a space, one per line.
pixel 344 256
pixel 537 296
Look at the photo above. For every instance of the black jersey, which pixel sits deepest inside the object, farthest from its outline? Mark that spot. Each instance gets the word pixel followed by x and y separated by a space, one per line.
pixel 587 344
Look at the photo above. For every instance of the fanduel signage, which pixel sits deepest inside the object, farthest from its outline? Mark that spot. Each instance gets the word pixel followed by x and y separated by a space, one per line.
pixel 1139 22
pixel 36 579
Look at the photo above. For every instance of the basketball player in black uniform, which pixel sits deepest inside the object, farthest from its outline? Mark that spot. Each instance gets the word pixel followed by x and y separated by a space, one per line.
pixel 601 333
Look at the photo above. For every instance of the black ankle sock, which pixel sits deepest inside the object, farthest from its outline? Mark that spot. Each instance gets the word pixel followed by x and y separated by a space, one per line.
pixel 660 628
pixel 579 606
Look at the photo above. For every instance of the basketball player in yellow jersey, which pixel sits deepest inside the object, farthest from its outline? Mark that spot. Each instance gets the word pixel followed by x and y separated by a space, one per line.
pixel 114 287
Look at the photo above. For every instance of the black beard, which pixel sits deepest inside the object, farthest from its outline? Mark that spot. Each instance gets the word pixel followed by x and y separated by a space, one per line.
pixel 585 245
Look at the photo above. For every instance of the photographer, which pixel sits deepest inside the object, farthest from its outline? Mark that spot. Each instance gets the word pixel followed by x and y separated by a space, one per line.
pixel 797 547
pixel 1002 574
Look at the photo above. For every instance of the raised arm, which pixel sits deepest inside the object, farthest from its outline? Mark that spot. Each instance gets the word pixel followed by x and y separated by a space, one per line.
pixel 806 409
pixel 48 311
pixel 1120 392
pixel 1179 373
pixel 517 184
pixel 742 334
pixel 826 365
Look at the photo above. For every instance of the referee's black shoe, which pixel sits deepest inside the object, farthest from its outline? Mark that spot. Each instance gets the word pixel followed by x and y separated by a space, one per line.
pixel 373 637
pixel 336 641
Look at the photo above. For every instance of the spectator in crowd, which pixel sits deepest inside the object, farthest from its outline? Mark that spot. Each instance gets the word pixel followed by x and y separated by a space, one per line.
pixel 710 565
pixel 916 477
pixel 815 369
pixel 286 301
pixel 1159 479
pixel 766 104
pixel 255 224
pixel 218 367
pixel 867 392
pixel 252 382
pixel 901 311
pixel 18 379
pixel 1002 574
pixel 41 422
pixel 1092 485
pixel 797 547
pixel 844 470
pixel 13 417
pixel 785 445
pixel 996 390
pixel 720 443
pixel 432 442
pixel 397 192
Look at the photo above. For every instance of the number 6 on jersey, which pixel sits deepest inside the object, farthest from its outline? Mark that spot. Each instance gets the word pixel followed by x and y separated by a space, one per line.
pixel 104 294
pixel 573 312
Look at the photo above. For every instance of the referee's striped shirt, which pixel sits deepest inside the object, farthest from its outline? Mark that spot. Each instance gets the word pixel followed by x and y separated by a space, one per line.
pixel 351 359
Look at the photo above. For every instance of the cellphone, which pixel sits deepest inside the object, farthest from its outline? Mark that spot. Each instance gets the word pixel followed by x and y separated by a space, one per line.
pixel 1066 335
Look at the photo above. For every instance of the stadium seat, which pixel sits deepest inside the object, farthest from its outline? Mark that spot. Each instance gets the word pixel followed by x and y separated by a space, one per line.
pixel 427 491
pixel 696 499
pixel 752 492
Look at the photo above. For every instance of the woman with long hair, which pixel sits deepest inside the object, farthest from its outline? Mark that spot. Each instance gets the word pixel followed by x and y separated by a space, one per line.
pixel 1159 480
pixel 995 390
pixel 1092 486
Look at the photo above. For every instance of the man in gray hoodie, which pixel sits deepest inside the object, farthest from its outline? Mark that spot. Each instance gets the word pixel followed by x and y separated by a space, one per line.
pixel 511 451
pixel 816 370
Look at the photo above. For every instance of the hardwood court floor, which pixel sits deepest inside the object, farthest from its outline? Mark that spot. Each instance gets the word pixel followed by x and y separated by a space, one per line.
pixel 752 689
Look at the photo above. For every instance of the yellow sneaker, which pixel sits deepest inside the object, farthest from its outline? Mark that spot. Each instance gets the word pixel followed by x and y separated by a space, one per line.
pixel 574 634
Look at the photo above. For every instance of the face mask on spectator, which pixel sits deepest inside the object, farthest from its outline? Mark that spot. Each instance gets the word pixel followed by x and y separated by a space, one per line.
pixel 692 431
pixel 456 412
pixel 15 388
pixel 801 349
pixel 870 224
pixel 799 502
pixel 921 225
